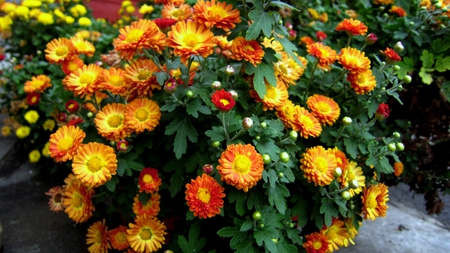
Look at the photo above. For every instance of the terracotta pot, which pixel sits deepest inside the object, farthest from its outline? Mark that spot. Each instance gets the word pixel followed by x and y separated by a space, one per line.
pixel 108 9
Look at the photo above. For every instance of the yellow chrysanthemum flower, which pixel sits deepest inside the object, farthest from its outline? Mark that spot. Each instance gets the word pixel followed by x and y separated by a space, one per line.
pixel 31 116
pixel 97 237
pixel 84 21
pixel 146 234
pixel 34 156
pixel 23 132
pixel 49 125
pixel 374 201
pixel 45 18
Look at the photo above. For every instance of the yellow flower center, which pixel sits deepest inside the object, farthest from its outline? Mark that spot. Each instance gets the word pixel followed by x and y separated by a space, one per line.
pixel 87 79
pixel 146 234
pixel 317 245
pixel 61 51
pixel 271 92
pixel 323 107
pixel 134 35
pixel 116 80
pixel 81 46
pixel 144 74
pixel 224 102
pixel 371 201
pixel 148 179
pixel 114 121
pixel 203 195
pixel 321 164
pixel 120 237
pixel 77 201
pixel 248 48
pixel 94 164
pixel 98 238
pixel 307 122
pixel 65 144
pixel 283 68
pixel 217 12
pixel 37 84
pixel 190 40
pixel 141 114
pixel 176 13
pixel 242 164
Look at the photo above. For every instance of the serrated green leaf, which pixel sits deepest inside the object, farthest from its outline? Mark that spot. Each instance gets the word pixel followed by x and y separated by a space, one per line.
pixel 184 130
pixel 216 134
pixel 111 184
pixel 264 235
pixel 169 106
pixel 262 73
pixel 285 247
pixel 245 247
pixel 161 77
pixel 247 225
pixel 427 59
pixel 328 209
pixel 273 177
pixel 121 166
pixel 351 147
pixel 268 147
pixel 176 182
pixel 426 77
pixel 262 21
pixel 144 197
pixel 277 196
pixel 239 198
pixel 294 235
pixel 299 210
pixel 195 106
pixel 384 166
pixel 228 231
pixel 399 35
pixel 255 199
pixel 406 66
pixel 445 89
pixel 194 244
pixel 442 64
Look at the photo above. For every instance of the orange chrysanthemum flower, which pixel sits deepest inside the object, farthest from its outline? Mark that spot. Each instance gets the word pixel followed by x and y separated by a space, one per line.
pixel 251 51
pixel 65 142
pixel 114 81
pixel 306 40
pixel 316 243
pixel 56 198
pixel 352 27
pixel 146 235
pixel 362 82
pixel 391 55
pixel 223 100
pixel 175 2
pixel 110 122
pixel 89 101
pixel 337 234
pixel 178 12
pixel 325 109
pixel 218 15
pixel 398 168
pixel 118 238
pixel 94 164
pixel 350 173
pixel 149 180
pixel 374 201
pixel 275 96
pixel 37 84
pixel 83 46
pixel 59 50
pixel 149 208
pixel 140 75
pixel 352 231
pixel 141 34
pixel 274 44
pixel 305 123
pixel 97 238
pixel 71 180
pixel 71 65
pixel 398 10
pixel 325 55
pixel 84 81
pixel 142 114
pixel 204 196
pixel 318 165
pixel 353 60
pixel 288 71
pixel 78 203
pixel 241 166
pixel 286 113
pixel 341 158
pixel 189 38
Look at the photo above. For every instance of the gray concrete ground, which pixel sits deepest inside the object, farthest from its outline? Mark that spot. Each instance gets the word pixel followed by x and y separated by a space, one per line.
pixel 30 227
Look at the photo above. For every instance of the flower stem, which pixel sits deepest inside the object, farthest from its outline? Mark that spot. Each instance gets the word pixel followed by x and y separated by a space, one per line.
pixel 311 77
pixel 365 126
pixel 224 124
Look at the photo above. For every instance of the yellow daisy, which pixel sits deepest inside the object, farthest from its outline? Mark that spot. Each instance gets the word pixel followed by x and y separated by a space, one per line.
pixel 142 114
pixel 84 81
pixel 318 165
pixel 110 122
pixel 97 238
pixel 305 123
pixel 146 234
pixel 59 50
pixel 324 108
pixel 374 201
pixel 140 75
pixel 65 142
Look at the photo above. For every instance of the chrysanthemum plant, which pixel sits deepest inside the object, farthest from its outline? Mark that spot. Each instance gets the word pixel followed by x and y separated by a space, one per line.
pixel 208 130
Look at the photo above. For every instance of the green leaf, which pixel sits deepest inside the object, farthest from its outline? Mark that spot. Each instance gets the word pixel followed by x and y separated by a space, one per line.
pixel 239 198
pixel 282 5
pixel 265 236
pixel 294 235
pixel 399 35
pixel 247 225
pixel 285 247
pixel 121 166
pixel 445 88
pixel 184 130
pixel 443 64
pixel 111 184
pixel 169 106
pixel 244 247
pixel 216 134
pixel 161 77
pixel 406 66
pixel 299 210
pixel 268 147
pixel 277 196
pixel 194 244
pixel 195 106
pixel 328 209
pixel 176 182
pixel 385 167
pixel 427 59
pixel 228 231
pixel 255 199
pixel 263 72
pixel 262 21
pixel 351 146
pixel 426 77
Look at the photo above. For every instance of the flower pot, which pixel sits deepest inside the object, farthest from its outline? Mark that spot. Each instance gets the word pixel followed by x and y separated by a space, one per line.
pixel 108 9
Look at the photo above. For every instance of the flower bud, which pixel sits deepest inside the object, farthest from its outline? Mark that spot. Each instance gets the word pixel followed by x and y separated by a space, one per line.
pixel 247 123
pixel 207 169
pixel 346 195
pixel 407 79
pixel 215 144
pixel 399 88
pixel 353 184
pixel 292 35
pixel 396 135
pixel 289 26
pixel 229 70
pixel 371 39
pixel 382 111
pixel 216 85
pixel 170 86
pixel 337 172
pixel 234 94
pixel 189 94
pixel 392 147
pixel 284 157
pixel 266 158
pixel 293 135
pixel 263 125
pixel 122 145
pixel 398 47
pixel 90 115
pixel 72 106
pixel 346 120
pixel 396 68
pixel 400 146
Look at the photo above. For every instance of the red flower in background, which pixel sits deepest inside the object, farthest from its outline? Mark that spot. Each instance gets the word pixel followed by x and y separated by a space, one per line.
pixel 321 35
pixel 72 106
pixel 391 55
pixel 164 23
pixel 382 111
pixel 223 100
pixel 33 98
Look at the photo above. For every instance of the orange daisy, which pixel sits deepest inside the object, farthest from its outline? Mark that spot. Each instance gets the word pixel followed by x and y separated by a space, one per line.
pixel 352 231
pixel 71 65
pixel 140 75
pixel 318 165
pixel 83 46
pixel 37 84
pixel 178 12
pixel 316 243
pixel 352 27
pixel 391 55
pixel 110 122
pixel 341 158
pixel 325 109
pixel 286 113
pixel 78 203
pixel 189 38
pixel 223 100
pixel 337 234
pixel 251 51
pixel 306 40
pixel 89 100
pixel 97 237
pixel 350 173
pixel 204 196
pixel 114 81
pixel 275 96
pixel 65 142
pixel 146 234
pixel 374 201
pixel 362 82
pixel 84 81
pixel 218 15
pixel 118 238
pixel 56 198
pixel 70 180
pixel 140 34
pixel 398 10
pixel 288 71
pixel 241 166
pixel 398 168
pixel 142 114
pixel 94 164
pixel 59 50
pixel 149 180
pixel 33 98
pixel 150 207
pixel 305 123
pixel 353 60
pixel 325 55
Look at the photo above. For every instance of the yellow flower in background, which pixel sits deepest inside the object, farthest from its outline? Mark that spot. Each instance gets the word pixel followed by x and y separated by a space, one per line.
pixel 49 124
pixel 22 11
pixel 59 14
pixel 31 116
pixel 69 20
pixel 146 9
pixel 31 3
pixel 34 156
pixel 46 149
pixel 23 132
pixel 83 21
pixel 5 23
pixel 78 10
pixel 130 9
pixel 126 3
pixel 8 7
pixel 35 12
pixel 45 18
pixel 6 131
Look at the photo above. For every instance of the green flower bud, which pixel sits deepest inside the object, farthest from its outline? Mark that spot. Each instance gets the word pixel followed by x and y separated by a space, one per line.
pixel 407 79
pixel 392 147
pixel 216 85
pixel 247 123
pixel 215 144
pixel 400 146
pixel 346 120
pixel 337 172
pixel 189 94
pixel 263 125
pixel 396 67
pixel 284 157
pixel 396 135
pixel 293 135
pixel 398 47
pixel 346 195
pixel 266 158
pixel 353 184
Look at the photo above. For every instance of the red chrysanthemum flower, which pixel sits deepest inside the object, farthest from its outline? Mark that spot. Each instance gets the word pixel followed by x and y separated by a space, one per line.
pixel 391 55
pixel 321 35
pixel 149 180
pixel 398 10
pixel 118 238
pixel 164 23
pixel 223 100
pixel 72 106
pixel 316 243
pixel 218 15
pixel 75 121
pixel 204 196
pixel 33 98
pixel 251 51
pixel 352 27
pixel 382 111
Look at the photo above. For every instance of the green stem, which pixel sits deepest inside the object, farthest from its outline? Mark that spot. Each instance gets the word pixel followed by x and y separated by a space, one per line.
pixel 337 79
pixel 311 77
pixel 225 127
pixel 340 132
pixel 241 131
pixel 366 125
